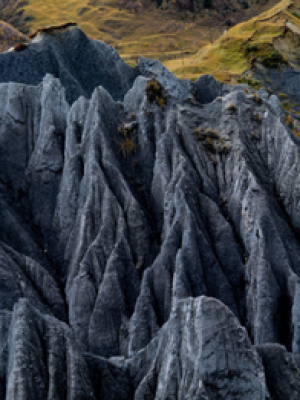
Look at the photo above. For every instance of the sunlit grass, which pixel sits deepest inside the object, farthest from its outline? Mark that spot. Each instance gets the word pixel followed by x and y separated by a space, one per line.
pixel 228 54
pixel 183 46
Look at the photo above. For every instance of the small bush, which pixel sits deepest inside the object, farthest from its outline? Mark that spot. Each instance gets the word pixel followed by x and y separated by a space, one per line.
pixel 204 134
pixel 273 60
pixel 209 145
pixel 211 140
pixel 293 125
pixel 286 105
pixel 289 121
pixel 231 107
pixel 156 92
pixel 257 98
pixel 297 15
pixel 212 133
pixel 282 96
pixel 127 147
pixel 253 83
pixel 257 117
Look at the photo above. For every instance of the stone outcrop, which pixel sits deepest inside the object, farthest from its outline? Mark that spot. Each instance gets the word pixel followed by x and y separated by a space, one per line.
pixel 149 242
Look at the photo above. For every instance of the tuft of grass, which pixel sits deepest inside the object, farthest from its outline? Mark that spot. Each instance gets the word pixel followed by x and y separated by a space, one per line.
pixel 296 14
pixel 212 133
pixel 257 98
pixel 293 125
pixel 211 140
pixel 156 92
pixel 257 118
pixel 285 104
pixel 254 135
pixel 127 147
pixel 289 121
pixel 202 134
pixel 273 60
pixel 283 96
pixel 253 83
pixel 231 107
pixel 250 48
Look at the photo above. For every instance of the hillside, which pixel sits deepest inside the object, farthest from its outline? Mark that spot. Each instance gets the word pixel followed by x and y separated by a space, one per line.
pixel 150 231
pixel 270 39
pixel 11 12
pixel 139 28
pixel 9 36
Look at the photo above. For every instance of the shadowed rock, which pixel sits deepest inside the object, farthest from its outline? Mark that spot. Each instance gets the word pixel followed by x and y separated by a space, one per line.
pixel 282 374
pixel 201 353
pixel 80 63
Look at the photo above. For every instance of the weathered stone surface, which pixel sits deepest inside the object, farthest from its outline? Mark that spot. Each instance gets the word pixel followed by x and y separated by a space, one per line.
pixel 280 80
pixel 202 352
pixel 207 89
pixel 80 63
pixel 143 242
pixel 43 360
pixel 282 374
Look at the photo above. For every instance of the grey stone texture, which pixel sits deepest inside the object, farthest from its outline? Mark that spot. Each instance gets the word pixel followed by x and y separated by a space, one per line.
pixel 148 250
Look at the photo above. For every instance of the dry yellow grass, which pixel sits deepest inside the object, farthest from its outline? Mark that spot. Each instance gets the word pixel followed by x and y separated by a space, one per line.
pixel 269 38
pixel 170 36
pixel 186 46
pixel 10 36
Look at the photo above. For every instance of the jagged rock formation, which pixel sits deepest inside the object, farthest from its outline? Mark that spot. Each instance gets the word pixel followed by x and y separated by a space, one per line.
pixel 149 242
pixel 80 64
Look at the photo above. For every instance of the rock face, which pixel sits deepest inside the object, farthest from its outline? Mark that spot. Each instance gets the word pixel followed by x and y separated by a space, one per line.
pixel 80 63
pixel 202 352
pixel 284 80
pixel 149 242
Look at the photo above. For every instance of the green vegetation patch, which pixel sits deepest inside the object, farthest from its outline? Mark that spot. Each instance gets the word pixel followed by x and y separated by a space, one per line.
pixel 252 82
pixel 274 59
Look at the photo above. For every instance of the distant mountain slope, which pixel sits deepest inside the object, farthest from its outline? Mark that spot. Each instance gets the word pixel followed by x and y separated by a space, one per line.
pixel 170 32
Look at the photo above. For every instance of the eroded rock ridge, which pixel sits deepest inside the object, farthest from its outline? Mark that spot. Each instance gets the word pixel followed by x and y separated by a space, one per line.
pixel 149 241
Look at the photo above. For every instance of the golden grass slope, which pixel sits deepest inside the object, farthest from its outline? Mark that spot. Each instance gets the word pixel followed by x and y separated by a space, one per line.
pixel 183 45
pixel 160 34
pixel 273 36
